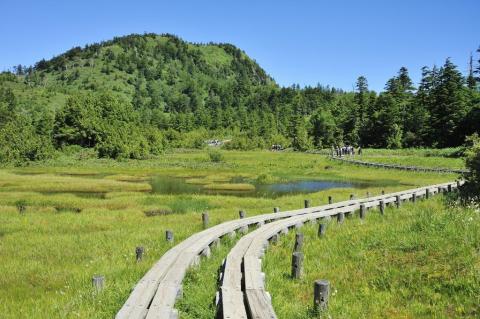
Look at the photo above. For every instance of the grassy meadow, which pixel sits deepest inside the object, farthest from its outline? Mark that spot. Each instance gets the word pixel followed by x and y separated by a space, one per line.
pixel 64 220
pixel 421 261
pixel 415 157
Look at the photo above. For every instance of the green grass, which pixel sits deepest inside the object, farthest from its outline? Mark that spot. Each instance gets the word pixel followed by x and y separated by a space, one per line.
pixel 85 217
pixel 414 157
pixel 421 261
pixel 201 284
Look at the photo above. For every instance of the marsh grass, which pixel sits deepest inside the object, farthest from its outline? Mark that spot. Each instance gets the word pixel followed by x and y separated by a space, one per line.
pixel 421 261
pixel 49 253
pixel 230 187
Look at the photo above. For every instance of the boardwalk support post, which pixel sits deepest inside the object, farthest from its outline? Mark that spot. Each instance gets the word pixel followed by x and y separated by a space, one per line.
pixel 398 201
pixel 414 197
pixel 307 203
pixel 169 236
pixel 297 265
pixel 363 211
pixel 330 199
pixel 340 217
pixel 275 238
pixel 321 292
pixel 139 250
pixel 98 282
pixel 298 242
pixel 382 207
pixel 321 230
pixel 427 193
pixel 205 220
pixel 276 209
pixel 241 214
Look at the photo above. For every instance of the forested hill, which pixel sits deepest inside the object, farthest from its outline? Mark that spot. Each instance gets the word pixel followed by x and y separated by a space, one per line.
pixel 136 95
pixel 155 71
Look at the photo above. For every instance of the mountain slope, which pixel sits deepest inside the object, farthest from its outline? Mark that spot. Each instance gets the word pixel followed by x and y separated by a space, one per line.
pixel 155 71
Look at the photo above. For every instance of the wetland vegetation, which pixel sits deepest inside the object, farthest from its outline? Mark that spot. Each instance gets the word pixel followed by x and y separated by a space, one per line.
pixel 83 217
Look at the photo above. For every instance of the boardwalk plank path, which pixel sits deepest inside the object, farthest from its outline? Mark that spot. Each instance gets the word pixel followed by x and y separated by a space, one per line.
pixel 400 167
pixel 257 302
pixel 155 294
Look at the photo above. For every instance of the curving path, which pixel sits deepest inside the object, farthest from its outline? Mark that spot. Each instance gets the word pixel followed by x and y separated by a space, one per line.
pixel 242 290
pixel 400 167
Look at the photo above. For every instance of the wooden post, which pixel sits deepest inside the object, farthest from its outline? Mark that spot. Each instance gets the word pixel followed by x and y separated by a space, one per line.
pixel 169 236
pixel 215 243
pixel 276 209
pixel 297 265
pixel 363 211
pixel 383 192
pixel 398 201
pixel 427 193
pixel 206 252
pixel 139 250
pixel 330 199
pixel 241 214
pixel 298 242
pixel 449 188
pixel 275 238
pixel 205 220
pixel 321 230
pixel 98 282
pixel 458 185
pixel 352 197
pixel 321 292
pixel 340 217
pixel 414 197
pixel 307 203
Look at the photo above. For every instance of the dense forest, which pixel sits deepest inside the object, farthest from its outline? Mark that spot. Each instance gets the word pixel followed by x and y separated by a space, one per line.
pixel 135 96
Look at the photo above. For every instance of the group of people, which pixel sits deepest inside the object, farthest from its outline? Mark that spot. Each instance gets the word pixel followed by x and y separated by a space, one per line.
pixel 340 151
pixel 277 147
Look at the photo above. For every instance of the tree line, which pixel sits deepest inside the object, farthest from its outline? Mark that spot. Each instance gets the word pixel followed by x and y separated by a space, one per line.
pixel 135 96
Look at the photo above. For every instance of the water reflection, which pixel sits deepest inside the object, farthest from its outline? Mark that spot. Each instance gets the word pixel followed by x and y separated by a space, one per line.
pixel 172 185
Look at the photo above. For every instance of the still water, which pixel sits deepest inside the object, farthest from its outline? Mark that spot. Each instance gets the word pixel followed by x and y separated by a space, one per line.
pixel 172 185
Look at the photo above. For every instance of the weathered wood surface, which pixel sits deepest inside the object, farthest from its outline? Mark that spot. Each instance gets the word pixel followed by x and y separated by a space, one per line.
pixel 155 294
pixel 257 300
pixel 400 167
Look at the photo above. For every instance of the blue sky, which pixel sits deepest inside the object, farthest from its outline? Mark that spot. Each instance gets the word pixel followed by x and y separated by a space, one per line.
pixel 305 42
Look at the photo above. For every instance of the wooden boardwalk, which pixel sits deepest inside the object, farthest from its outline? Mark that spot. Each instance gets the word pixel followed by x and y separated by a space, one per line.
pixel 399 167
pixel 242 293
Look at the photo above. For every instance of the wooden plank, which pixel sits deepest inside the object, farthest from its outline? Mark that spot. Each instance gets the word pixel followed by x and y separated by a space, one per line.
pixel 167 274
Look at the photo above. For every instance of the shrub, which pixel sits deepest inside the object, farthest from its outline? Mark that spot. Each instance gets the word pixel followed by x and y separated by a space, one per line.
pixel 215 156
pixel 21 206
pixel 470 191
pixel 159 211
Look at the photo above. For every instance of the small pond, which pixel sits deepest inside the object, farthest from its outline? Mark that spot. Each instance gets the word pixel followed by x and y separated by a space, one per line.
pixel 173 185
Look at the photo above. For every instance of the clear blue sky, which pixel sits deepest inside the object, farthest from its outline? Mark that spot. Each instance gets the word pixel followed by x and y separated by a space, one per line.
pixel 305 42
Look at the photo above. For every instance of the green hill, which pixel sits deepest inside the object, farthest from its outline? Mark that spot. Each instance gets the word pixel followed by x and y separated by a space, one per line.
pixel 155 71
pixel 134 96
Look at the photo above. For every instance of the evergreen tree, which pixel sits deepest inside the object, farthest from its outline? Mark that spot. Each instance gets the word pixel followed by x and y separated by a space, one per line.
pixel 449 106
